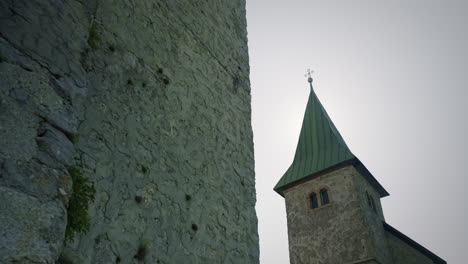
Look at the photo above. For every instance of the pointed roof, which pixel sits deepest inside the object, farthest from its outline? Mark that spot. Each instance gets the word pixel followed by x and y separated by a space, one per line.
pixel 320 149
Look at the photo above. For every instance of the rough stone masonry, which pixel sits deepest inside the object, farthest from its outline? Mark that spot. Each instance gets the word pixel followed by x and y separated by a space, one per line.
pixel 150 101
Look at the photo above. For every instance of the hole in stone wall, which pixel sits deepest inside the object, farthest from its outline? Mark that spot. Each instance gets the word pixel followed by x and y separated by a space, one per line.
pixel 160 71
pixel 188 197
pixel 141 253
pixel 166 80
pixel 56 75
pixel 235 83
pixel 129 82
pixel 117 260
pixel 84 53
pixel 63 260
pixel 41 131
pixel 144 169
pixel 194 227
pixel 111 48
pixel 143 84
pixel 138 199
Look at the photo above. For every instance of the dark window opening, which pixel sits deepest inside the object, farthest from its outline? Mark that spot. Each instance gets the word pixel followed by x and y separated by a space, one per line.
pixel 371 202
pixel 324 197
pixel 373 205
pixel 368 199
pixel 313 201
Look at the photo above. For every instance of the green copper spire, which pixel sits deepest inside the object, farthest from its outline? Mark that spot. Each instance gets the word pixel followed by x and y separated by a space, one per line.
pixel 320 148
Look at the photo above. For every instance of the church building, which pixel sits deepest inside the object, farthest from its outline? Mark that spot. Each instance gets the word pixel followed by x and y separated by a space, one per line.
pixel 333 204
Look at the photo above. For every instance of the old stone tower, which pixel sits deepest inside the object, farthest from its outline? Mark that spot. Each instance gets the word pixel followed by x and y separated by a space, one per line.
pixel 149 100
pixel 333 203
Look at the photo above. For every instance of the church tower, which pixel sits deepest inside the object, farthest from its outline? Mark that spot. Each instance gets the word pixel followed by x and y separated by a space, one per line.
pixel 333 203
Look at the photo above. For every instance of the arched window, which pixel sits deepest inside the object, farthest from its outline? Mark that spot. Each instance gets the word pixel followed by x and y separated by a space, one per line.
pixel 313 201
pixel 324 197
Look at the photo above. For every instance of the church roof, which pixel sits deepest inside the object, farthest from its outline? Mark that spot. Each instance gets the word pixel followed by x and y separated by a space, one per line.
pixel 320 149
pixel 436 259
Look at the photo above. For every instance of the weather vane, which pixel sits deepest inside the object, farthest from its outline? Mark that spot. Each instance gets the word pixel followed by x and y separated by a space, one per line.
pixel 309 74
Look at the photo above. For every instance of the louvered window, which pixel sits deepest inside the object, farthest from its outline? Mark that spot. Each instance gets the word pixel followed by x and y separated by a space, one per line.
pixel 324 196
pixel 313 201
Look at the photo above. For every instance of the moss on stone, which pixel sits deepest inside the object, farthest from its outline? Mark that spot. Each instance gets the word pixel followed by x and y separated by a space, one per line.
pixel 93 37
pixel 83 194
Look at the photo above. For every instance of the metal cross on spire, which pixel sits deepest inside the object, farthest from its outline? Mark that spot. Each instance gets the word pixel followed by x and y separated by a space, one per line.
pixel 309 74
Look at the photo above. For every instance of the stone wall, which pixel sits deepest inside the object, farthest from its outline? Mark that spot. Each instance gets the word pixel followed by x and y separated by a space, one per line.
pixel 150 100
pixel 334 233
pixel 378 246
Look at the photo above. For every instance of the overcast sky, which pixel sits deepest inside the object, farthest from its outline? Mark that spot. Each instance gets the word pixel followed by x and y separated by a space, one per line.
pixel 392 76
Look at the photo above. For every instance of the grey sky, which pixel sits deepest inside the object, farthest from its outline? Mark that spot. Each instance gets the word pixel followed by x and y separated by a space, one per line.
pixel 392 76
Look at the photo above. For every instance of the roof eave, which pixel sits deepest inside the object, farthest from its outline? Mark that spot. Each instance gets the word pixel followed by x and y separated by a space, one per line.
pixel 340 165
pixel 370 178
pixel 354 162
